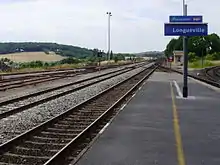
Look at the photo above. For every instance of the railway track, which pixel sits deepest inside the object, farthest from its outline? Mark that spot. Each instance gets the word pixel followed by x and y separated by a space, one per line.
pixel 202 77
pixel 62 139
pixel 16 80
pixel 11 83
pixel 213 73
pixel 20 83
pixel 57 71
pixel 19 104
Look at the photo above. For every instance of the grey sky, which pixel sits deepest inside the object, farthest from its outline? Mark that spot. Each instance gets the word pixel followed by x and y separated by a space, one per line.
pixel 137 25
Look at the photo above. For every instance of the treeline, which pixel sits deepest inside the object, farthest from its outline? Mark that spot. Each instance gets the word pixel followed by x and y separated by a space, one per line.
pixel 198 47
pixel 41 64
pixel 90 61
pixel 64 50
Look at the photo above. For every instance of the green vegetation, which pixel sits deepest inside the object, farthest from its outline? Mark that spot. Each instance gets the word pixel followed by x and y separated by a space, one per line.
pixel 198 64
pixel 40 64
pixel 202 48
pixel 64 50
pixel 70 62
pixel 76 56
pixel 199 45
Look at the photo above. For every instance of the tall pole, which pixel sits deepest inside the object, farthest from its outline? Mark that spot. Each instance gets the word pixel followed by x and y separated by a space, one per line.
pixel 109 35
pixel 184 3
pixel 203 50
pixel 202 58
pixel 185 66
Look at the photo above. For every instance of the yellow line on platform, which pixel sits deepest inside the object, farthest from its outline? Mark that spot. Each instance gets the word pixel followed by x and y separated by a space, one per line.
pixel 179 146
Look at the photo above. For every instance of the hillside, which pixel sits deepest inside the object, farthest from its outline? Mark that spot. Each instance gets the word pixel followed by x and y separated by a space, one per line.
pixel 63 50
pixel 32 56
pixel 150 54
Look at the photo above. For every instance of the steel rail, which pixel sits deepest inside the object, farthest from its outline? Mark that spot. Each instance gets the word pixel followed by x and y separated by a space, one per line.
pixel 60 94
pixel 60 155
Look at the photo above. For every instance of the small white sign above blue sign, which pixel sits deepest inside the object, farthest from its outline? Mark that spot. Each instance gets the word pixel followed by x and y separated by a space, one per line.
pixel 186 19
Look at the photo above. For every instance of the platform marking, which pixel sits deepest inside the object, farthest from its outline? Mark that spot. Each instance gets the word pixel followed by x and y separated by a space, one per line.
pixel 177 133
pixel 103 129
pixel 178 89
pixel 123 107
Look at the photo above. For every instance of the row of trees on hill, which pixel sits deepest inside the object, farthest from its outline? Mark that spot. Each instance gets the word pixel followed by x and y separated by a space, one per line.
pixel 197 46
pixel 97 57
pixel 64 50
pixel 101 56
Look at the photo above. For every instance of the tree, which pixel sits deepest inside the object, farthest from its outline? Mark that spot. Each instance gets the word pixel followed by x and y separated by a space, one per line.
pixel 171 46
pixel 192 56
pixel 116 59
pixel 64 50
pixel 111 55
pixel 214 56
pixel 70 60
pixel 198 45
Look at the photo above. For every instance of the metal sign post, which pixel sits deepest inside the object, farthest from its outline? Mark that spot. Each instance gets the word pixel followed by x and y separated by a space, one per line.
pixel 170 60
pixel 185 26
pixel 185 63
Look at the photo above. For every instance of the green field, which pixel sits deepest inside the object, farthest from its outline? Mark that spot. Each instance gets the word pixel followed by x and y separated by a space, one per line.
pixel 32 56
pixel 206 63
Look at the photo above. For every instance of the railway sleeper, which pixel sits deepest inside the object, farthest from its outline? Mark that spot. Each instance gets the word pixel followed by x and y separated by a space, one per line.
pixel 66 131
pixel 20 159
pixel 39 145
pixel 88 113
pixel 74 127
pixel 1 163
pixel 63 122
pixel 75 121
pixel 33 151
pixel 42 146
pixel 50 140
pixel 56 135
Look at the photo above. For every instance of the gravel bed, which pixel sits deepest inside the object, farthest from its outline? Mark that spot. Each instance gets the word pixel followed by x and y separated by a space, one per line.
pixel 21 103
pixel 18 92
pixel 16 124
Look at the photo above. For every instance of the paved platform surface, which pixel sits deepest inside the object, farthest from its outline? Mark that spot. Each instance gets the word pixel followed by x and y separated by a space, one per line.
pixel 159 127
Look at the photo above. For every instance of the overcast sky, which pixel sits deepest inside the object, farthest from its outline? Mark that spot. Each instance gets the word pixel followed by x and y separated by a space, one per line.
pixel 136 25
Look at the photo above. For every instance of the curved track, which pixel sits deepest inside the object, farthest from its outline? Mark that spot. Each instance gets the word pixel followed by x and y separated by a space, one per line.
pixel 213 73
pixel 202 77
pixel 61 139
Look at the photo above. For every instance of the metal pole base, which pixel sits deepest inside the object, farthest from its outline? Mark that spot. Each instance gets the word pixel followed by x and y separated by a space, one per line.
pixel 185 91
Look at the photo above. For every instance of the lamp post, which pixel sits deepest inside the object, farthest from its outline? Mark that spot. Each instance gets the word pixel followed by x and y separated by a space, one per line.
pixel 184 3
pixel 109 35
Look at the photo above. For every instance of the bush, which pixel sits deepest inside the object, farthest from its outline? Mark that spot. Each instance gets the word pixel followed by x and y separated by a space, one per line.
pixel 46 51
pixel 198 64
pixel 116 59
pixel 70 60
pixel 5 60
pixel 212 57
pixel 192 57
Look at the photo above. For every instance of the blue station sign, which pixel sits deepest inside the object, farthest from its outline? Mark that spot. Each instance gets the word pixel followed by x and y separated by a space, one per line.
pixel 174 29
pixel 186 19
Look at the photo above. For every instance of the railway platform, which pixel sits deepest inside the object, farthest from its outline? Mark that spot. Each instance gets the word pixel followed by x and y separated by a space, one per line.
pixel 159 127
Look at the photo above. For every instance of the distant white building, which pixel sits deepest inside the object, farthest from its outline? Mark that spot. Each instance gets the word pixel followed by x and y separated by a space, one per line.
pixel 178 56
